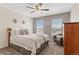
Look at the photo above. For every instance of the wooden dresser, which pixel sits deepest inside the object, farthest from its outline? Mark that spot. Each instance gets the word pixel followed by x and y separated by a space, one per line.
pixel 71 38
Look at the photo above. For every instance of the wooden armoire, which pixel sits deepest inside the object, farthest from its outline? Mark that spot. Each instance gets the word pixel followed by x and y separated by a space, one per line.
pixel 71 38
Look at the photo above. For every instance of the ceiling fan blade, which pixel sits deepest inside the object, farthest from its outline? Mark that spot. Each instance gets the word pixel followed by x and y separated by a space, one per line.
pixel 45 9
pixel 32 12
pixel 30 7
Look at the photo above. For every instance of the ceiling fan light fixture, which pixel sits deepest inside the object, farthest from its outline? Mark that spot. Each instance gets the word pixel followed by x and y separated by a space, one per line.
pixel 37 8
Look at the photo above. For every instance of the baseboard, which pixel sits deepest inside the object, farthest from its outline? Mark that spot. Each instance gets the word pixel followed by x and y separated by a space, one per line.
pixel 3 46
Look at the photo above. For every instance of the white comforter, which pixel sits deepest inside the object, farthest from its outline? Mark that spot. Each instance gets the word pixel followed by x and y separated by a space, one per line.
pixel 30 41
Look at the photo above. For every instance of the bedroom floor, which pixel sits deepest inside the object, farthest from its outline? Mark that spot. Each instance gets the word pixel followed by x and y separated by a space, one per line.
pixel 51 49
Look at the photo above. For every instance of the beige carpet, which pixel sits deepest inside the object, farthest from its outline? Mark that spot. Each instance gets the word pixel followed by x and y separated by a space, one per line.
pixel 51 49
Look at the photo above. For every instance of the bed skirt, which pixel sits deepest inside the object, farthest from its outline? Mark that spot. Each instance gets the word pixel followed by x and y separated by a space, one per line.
pixel 24 51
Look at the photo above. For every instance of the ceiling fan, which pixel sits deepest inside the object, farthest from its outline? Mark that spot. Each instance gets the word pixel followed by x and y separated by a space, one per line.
pixel 37 7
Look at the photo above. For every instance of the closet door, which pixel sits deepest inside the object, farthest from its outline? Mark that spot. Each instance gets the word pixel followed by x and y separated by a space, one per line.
pixel 75 38
pixel 71 36
pixel 67 39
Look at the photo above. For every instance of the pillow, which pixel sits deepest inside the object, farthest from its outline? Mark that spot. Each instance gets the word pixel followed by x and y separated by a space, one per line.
pixel 25 31
pixel 14 32
pixel 21 32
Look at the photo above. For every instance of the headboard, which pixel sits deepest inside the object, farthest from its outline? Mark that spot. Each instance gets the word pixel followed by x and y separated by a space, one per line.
pixel 9 34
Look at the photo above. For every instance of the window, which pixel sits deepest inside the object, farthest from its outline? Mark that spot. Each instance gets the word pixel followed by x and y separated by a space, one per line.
pixel 40 26
pixel 57 26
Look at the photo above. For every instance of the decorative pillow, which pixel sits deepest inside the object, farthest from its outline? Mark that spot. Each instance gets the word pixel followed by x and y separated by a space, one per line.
pixel 25 31
pixel 21 32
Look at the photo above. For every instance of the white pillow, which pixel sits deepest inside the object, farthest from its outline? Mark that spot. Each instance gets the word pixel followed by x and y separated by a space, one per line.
pixel 15 32
pixel 19 32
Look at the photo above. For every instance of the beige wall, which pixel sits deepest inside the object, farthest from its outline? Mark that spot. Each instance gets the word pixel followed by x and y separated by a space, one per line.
pixel 75 13
pixel 47 19
pixel 6 21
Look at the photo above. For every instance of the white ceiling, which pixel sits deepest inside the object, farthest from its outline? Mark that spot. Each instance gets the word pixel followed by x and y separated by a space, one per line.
pixel 55 8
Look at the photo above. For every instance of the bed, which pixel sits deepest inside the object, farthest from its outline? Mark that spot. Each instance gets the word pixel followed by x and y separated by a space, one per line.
pixel 29 44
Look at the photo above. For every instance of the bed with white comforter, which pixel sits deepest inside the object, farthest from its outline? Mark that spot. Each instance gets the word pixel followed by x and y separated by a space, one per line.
pixel 30 41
